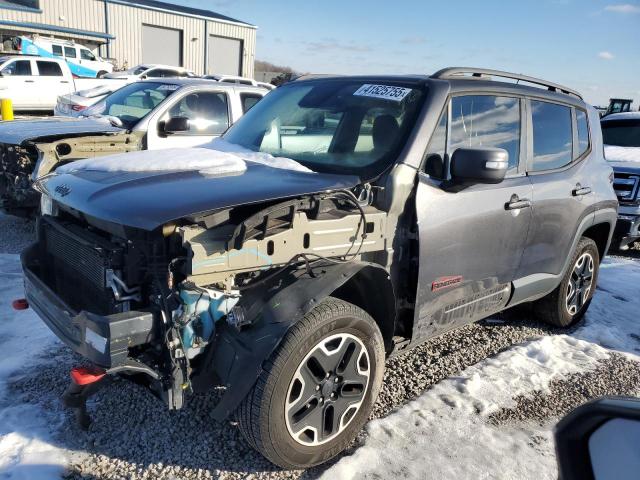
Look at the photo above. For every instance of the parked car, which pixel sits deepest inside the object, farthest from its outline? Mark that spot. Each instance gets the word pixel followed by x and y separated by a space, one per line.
pixel 239 81
pixel 232 79
pixel 341 221
pixel 621 135
pixel 146 70
pixel 148 115
pixel 74 104
pixel 35 83
pixel 81 61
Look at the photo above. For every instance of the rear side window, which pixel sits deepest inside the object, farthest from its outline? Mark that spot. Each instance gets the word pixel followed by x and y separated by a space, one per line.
pixel 70 52
pixel 207 112
pixel 486 121
pixel 18 68
pixel 583 132
pixel 57 50
pixel 49 69
pixel 87 55
pixel 249 100
pixel 552 135
pixel 162 73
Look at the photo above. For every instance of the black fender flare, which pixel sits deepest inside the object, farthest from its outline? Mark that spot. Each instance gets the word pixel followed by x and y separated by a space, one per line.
pixel 235 358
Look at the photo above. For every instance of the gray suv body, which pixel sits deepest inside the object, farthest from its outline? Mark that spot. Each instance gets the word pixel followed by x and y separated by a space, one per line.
pixel 432 202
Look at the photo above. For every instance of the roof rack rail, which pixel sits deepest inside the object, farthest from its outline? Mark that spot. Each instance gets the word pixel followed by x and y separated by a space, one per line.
pixel 457 72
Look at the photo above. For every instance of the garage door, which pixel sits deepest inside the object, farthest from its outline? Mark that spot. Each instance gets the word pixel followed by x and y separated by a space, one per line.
pixel 225 56
pixel 161 45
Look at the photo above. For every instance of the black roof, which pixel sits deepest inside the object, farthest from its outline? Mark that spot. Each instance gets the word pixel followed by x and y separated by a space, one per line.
pixel 183 9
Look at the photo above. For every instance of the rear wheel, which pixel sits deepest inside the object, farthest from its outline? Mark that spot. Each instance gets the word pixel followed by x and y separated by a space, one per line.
pixel 317 389
pixel 568 303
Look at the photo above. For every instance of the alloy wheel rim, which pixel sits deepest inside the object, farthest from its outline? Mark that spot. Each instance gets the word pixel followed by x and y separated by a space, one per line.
pixel 580 283
pixel 327 389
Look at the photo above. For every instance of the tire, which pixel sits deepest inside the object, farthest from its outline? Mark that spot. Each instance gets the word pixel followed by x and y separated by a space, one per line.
pixel 101 74
pixel 277 416
pixel 561 307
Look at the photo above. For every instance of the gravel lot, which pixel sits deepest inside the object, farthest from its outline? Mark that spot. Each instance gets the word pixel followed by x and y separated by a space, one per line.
pixel 134 436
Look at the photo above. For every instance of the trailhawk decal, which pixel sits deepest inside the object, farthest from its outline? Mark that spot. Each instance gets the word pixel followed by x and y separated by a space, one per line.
pixel 386 92
pixel 445 282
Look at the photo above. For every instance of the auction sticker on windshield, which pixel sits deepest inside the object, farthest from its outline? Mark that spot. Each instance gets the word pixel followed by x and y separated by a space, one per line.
pixel 386 92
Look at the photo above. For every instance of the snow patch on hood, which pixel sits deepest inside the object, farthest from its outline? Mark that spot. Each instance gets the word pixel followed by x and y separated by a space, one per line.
pixel 614 153
pixel 173 159
pixel 258 157
pixel 215 158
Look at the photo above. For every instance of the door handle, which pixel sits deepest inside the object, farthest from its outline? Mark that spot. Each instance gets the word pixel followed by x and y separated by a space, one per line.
pixel 516 203
pixel 64 81
pixel 580 190
pixel 28 81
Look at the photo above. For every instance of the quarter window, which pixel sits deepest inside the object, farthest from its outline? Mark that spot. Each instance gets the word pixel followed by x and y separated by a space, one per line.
pixel 57 50
pixel 486 121
pixel 552 135
pixel 435 160
pixel 249 100
pixel 49 69
pixel 583 132
pixel 207 112
pixel 70 52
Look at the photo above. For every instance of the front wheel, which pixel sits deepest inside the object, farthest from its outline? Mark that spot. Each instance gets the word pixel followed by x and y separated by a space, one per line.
pixel 568 303
pixel 317 389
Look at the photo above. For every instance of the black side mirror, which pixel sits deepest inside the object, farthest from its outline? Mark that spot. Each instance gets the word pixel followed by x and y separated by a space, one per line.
pixel 479 165
pixel 600 440
pixel 176 125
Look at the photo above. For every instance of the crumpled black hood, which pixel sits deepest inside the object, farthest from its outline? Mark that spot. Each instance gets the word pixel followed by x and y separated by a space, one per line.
pixel 147 200
pixel 17 131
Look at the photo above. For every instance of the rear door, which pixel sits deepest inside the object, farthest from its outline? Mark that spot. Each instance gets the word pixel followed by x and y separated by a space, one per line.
pixel 470 240
pixel 19 78
pixel 562 196
pixel 208 113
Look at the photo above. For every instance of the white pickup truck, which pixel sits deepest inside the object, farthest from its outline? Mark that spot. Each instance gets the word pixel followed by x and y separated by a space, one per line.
pixel 34 83
pixel 155 114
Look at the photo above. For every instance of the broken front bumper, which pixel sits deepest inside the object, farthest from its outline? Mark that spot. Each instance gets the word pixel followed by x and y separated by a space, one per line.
pixel 103 339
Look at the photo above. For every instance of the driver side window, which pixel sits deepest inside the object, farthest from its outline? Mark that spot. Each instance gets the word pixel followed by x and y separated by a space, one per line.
pixel 208 112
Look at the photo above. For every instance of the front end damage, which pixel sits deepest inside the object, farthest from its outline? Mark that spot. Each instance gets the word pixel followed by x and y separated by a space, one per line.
pixel 200 302
pixel 21 165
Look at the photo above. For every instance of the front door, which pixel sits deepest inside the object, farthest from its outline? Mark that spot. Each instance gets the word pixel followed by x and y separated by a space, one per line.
pixel 208 115
pixel 20 80
pixel 471 240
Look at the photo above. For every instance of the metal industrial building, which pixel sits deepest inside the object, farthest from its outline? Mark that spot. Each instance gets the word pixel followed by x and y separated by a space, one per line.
pixel 139 31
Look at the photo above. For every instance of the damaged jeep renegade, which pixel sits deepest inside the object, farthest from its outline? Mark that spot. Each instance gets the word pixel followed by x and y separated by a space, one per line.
pixel 341 221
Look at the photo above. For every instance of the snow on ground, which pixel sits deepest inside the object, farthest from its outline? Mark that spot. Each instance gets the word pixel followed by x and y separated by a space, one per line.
pixel 444 434
pixel 26 451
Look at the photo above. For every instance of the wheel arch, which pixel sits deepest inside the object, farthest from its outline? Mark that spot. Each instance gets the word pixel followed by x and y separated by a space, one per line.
pixel 601 234
pixel 235 359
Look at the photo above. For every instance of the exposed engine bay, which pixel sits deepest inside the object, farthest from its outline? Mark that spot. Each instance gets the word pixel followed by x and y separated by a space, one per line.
pixel 149 304
pixel 21 165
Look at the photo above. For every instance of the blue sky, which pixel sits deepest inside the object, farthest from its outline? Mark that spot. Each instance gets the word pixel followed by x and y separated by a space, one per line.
pixel 591 45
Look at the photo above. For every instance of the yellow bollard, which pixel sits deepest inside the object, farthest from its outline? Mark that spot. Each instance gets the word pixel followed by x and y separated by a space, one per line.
pixel 6 109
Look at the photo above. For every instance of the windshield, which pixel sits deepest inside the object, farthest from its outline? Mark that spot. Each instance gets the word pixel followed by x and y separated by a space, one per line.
pixel 621 133
pixel 133 102
pixel 334 126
